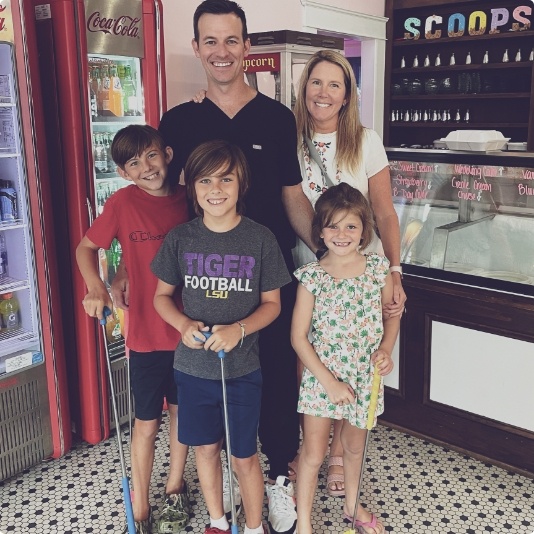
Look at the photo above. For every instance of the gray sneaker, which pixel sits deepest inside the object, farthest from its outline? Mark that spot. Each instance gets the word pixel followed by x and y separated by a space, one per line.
pixel 176 512
pixel 141 527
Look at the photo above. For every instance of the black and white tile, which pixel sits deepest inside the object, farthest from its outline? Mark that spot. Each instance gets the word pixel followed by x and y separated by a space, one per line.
pixel 416 487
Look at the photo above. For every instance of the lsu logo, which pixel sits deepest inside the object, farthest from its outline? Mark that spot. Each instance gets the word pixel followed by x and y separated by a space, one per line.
pixel 216 294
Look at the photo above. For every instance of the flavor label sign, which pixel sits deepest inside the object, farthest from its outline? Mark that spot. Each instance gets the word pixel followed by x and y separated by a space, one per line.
pixel 449 183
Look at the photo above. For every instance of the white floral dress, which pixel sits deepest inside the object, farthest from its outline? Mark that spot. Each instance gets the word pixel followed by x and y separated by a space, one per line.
pixel 346 329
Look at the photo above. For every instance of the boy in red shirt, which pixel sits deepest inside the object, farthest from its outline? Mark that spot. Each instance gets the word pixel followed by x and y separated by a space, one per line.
pixel 140 216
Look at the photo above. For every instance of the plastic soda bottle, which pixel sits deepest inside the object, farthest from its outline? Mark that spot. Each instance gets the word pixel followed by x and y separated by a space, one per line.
pixel 128 89
pixel 116 105
pixel 9 311
pixel 105 86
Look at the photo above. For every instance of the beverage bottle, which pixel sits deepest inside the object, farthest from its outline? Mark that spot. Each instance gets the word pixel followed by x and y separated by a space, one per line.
pixel 3 255
pixel 8 201
pixel 116 105
pixel 94 88
pixel 104 91
pixel 120 72
pixel 93 103
pixel 128 89
pixel 9 311
pixel 111 167
pixel 101 162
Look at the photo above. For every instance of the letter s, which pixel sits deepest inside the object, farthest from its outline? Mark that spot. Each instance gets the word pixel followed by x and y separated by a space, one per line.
pixel 409 25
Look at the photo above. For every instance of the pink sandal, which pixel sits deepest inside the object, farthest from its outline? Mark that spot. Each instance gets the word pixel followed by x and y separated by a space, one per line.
pixel 361 525
pixel 335 477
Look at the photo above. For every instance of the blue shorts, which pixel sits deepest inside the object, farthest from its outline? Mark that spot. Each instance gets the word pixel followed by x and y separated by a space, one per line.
pixel 201 415
pixel 152 382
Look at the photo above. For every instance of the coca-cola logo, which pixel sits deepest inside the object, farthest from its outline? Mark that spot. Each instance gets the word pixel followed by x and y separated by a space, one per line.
pixel 123 25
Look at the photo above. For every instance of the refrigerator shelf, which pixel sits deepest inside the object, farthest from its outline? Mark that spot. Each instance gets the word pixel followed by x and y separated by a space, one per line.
pixel 8 284
pixel 9 225
pixel 106 121
pixel 102 176
pixel 16 340
pixel 8 153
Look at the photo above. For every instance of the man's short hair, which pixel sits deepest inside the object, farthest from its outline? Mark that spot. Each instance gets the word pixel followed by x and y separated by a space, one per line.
pixel 219 7
pixel 132 141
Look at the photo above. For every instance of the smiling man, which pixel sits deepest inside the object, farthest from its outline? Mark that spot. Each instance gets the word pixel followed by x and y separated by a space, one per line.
pixel 265 131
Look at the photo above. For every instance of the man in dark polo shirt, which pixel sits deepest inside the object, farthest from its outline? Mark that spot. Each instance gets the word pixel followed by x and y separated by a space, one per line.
pixel 266 132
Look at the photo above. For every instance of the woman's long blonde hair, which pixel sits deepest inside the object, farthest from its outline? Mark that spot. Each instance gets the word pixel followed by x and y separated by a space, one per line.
pixel 349 128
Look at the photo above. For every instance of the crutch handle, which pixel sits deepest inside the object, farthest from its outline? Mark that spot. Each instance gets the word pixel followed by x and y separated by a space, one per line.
pixel 221 353
pixel 106 311
pixel 374 398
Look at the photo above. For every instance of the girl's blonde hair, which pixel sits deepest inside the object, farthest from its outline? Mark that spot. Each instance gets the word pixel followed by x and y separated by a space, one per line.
pixel 349 128
pixel 337 200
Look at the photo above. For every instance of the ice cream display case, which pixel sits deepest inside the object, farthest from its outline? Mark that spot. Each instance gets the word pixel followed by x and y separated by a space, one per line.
pixel 469 214
pixel 466 351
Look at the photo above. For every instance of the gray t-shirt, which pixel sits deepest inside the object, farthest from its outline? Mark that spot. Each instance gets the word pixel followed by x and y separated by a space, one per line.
pixel 223 276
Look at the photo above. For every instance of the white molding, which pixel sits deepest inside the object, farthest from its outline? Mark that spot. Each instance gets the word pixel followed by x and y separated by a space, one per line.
pixel 331 18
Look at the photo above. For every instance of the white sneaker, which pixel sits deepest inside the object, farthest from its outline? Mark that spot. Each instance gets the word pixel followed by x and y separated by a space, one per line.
pixel 226 494
pixel 282 512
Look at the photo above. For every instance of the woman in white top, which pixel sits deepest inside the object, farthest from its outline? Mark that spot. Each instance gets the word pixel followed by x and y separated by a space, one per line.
pixel 327 114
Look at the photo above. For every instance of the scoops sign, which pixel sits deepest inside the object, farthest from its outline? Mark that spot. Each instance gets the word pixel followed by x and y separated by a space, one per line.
pixel 114 28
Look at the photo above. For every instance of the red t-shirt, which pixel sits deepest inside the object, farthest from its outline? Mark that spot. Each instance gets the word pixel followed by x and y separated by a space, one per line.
pixel 140 222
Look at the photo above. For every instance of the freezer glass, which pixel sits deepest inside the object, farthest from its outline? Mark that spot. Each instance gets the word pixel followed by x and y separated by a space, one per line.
pixel 20 333
pixel 472 219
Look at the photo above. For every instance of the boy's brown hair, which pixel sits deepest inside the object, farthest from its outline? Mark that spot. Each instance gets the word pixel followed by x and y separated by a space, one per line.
pixel 338 200
pixel 133 140
pixel 216 158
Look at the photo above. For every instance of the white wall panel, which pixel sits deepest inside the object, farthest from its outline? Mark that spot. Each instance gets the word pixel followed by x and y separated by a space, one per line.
pixel 483 373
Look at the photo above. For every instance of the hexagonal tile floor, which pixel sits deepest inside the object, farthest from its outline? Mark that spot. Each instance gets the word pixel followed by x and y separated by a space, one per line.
pixel 415 486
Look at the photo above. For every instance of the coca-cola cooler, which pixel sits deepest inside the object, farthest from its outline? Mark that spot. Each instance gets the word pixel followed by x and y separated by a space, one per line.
pixel 104 68
pixel 34 408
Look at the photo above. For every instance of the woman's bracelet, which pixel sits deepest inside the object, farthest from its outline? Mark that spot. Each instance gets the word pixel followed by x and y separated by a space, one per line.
pixel 395 269
pixel 243 333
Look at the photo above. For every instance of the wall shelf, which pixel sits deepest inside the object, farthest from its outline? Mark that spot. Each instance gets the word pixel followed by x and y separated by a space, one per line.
pixel 463 38
pixel 459 125
pixel 478 66
pixel 451 96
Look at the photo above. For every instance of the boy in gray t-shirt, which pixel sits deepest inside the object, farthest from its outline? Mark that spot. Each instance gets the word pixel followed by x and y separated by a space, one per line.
pixel 231 270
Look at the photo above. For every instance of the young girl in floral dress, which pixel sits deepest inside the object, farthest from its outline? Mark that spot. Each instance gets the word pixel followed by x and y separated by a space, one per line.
pixel 341 298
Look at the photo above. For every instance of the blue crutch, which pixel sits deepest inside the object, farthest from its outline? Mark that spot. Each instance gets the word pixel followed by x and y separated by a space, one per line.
pixel 221 355
pixel 125 482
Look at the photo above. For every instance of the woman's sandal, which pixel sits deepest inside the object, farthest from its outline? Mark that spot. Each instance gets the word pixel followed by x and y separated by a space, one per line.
pixel 362 526
pixel 292 468
pixel 333 478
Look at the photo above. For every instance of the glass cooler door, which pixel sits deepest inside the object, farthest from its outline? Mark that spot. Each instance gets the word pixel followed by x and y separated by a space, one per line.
pixel 116 97
pixel 20 334
pixel 471 219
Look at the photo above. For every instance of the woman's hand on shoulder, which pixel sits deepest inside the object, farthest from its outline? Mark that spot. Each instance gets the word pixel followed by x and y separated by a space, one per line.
pixel 383 361
pixel 199 97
